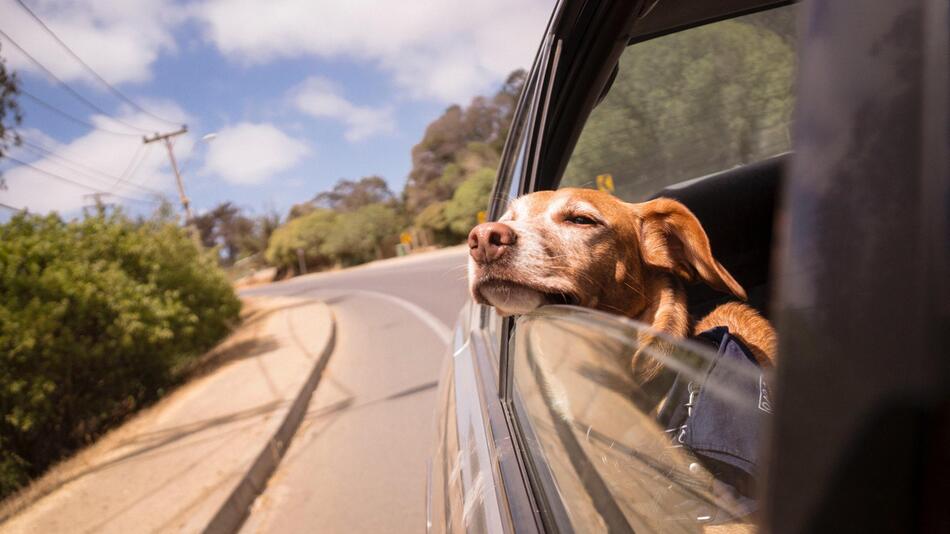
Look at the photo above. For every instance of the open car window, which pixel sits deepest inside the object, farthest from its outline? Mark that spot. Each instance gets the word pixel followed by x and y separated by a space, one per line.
pixel 689 104
pixel 675 456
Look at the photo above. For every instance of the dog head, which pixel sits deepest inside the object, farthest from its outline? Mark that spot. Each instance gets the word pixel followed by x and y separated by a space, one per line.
pixel 586 247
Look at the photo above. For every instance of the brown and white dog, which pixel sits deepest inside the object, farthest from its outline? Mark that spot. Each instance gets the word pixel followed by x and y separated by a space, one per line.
pixel 586 247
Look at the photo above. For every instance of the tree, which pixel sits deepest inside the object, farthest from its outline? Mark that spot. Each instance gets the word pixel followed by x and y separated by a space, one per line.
pixel 505 101
pixel 10 113
pixel 360 236
pixel 256 241
pixel 471 197
pixel 307 233
pixel 432 220
pixel 348 195
pixel 227 227
pixel 468 139
pixel 673 113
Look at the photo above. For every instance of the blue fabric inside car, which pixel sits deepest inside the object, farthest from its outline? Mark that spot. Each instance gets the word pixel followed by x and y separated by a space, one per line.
pixel 720 420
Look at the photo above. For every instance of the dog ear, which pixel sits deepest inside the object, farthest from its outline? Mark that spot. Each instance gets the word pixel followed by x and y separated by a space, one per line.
pixel 672 239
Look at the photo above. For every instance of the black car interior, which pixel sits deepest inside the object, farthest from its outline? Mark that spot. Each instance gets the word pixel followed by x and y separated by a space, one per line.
pixel 737 209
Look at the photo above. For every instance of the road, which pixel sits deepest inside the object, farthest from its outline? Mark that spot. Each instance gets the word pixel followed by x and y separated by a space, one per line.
pixel 357 463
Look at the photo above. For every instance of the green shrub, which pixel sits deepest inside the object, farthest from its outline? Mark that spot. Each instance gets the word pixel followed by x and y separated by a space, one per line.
pixel 308 233
pixel 432 220
pixel 471 197
pixel 95 316
pixel 359 236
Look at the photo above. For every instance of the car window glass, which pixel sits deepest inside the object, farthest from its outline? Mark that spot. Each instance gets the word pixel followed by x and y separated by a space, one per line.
pixel 627 457
pixel 508 184
pixel 690 104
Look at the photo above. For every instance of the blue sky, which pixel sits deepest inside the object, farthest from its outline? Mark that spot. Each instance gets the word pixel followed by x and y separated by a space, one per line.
pixel 300 93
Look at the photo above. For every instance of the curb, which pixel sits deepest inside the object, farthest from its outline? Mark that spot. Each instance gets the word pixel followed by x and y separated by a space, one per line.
pixel 237 506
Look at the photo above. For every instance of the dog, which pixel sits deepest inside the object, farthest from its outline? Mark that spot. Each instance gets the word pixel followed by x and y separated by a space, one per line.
pixel 588 248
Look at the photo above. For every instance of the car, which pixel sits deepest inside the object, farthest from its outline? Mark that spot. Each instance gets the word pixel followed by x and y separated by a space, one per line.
pixel 811 140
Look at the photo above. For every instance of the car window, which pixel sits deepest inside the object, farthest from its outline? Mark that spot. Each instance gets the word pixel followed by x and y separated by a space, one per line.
pixel 690 104
pixel 628 457
pixel 511 169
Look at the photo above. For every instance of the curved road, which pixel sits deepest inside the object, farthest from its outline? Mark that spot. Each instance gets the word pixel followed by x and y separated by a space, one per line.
pixel 358 461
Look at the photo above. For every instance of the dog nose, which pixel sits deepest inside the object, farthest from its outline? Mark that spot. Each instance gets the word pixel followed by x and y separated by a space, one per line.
pixel 490 241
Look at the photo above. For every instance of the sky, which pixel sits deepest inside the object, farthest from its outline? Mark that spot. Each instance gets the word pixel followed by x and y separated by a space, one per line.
pixel 281 98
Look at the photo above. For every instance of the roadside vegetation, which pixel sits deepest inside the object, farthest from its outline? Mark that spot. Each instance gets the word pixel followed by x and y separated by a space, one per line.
pixel 97 318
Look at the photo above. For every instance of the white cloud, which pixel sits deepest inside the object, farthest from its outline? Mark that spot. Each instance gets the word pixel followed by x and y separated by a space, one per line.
pixel 321 98
pixel 97 159
pixel 119 39
pixel 444 49
pixel 250 153
pixel 450 50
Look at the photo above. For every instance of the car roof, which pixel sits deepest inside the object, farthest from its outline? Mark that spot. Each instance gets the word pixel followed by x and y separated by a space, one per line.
pixel 667 16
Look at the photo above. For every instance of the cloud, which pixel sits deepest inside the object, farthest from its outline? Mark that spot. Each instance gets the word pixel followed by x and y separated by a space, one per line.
pixel 119 39
pixel 449 50
pixel 321 98
pixel 250 153
pixel 99 160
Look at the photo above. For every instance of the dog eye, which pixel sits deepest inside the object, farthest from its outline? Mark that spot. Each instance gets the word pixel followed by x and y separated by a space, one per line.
pixel 581 219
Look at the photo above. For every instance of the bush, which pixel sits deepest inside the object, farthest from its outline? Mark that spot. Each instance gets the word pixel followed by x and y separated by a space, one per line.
pixel 359 236
pixel 308 233
pixel 95 316
pixel 470 198
pixel 432 220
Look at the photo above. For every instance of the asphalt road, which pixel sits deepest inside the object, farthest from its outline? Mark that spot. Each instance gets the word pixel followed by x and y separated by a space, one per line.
pixel 357 463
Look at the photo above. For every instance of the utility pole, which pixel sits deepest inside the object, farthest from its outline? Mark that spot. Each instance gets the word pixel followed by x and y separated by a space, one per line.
pixel 166 137
pixel 302 261
pixel 97 201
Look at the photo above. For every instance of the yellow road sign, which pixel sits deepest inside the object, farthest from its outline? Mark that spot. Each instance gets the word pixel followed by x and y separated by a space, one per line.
pixel 405 238
pixel 482 216
pixel 605 182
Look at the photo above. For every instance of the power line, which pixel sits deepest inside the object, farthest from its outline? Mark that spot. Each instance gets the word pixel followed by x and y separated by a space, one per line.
pixel 100 179
pixel 132 162
pixel 68 87
pixel 98 174
pixel 74 182
pixel 39 101
pixel 13 208
pixel 132 169
pixel 49 152
pixel 89 69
